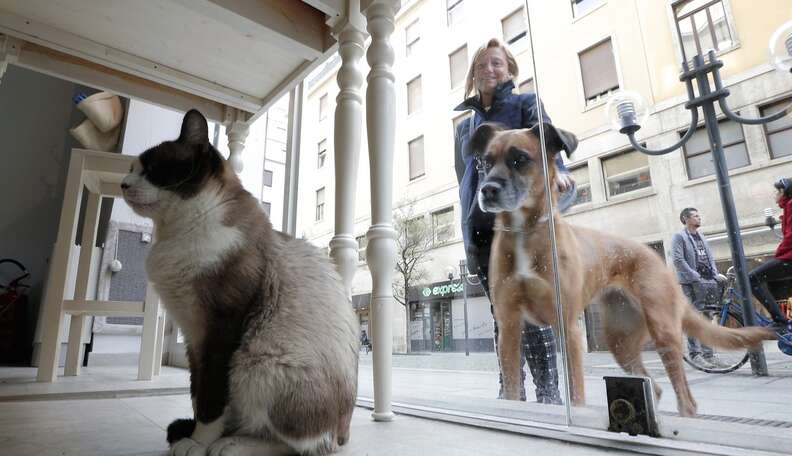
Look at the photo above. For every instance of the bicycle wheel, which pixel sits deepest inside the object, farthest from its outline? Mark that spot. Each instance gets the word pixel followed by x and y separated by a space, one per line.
pixel 728 360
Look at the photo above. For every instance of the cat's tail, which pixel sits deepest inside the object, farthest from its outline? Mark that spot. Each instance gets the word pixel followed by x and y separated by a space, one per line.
pixel 180 429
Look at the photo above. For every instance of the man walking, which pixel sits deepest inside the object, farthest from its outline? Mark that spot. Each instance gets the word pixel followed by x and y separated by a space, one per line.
pixel 695 268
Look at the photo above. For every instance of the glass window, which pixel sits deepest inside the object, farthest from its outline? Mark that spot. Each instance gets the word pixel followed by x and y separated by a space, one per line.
pixel 443 225
pixel 527 86
pixel 779 132
pixel 362 242
pixel 514 26
pixel 626 172
pixel 416 151
pixel 267 207
pixel 455 11
pixel 458 63
pixel 323 107
pixel 321 157
pixel 414 95
pixel 697 150
pixel 702 25
pixel 598 69
pixel 267 178
pixel 320 203
pixel 412 37
pixel 582 184
pixel 581 7
pixel 459 119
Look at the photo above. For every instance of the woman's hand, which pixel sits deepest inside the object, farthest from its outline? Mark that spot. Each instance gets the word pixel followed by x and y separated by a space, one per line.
pixel 564 181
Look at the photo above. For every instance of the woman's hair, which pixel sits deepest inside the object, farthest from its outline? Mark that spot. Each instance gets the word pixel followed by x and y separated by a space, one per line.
pixel 492 43
pixel 785 185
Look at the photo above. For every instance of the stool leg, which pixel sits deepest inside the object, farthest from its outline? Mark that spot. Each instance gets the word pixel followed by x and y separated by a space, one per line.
pixel 148 340
pixel 160 342
pixel 52 309
pixel 76 349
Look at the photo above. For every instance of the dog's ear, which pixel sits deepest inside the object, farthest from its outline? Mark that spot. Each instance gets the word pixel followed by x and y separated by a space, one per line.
pixel 556 138
pixel 482 137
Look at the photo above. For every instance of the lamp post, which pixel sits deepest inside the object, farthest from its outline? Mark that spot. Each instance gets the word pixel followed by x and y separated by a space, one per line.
pixel 464 279
pixel 627 111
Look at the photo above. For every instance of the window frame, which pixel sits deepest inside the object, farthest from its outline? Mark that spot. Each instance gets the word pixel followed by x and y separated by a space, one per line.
pixel 267 206
pixel 461 81
pixel 526 81
pixel 434 216
pixel 361 247
pixel 264 179
pixel 410 45
pixel 320 206
pixel 578 186
pixel 603 96
pixel 323 104
pixel 410 158
pixel 450 5
pixel 586 13
pixel 606 179
pixel 321 154
pixel 519 36
pixel 677 32
pixel 766 127
pixel 703 127
pixel 415 109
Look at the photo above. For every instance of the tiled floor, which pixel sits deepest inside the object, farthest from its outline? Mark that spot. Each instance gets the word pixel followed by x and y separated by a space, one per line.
pixel 135 426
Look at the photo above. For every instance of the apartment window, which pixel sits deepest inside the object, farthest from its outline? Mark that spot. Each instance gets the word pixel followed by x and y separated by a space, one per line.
pixel 582 7
pixel 582 184
pixel 779 132
pixel 267 207
pixel 320 204
pixel 414 95
pixel 416 150
pixel 702 25
pixel 267 178
pixel 527 86
pixel 412 37
pixel 362 243
pixel 455 10
pixel 458 63
pixel 323 107
pixel 598 69
pixel 514 26
pixel 443 225
pixel 626 172
pixel 698 157
pixel 321 156
pixel 659 248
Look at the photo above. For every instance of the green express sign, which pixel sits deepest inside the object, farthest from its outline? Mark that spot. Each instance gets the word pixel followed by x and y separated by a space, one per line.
pixel 442 290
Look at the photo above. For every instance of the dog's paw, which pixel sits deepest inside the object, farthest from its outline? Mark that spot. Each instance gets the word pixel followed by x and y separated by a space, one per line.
pixel 227 446
pixel 187 447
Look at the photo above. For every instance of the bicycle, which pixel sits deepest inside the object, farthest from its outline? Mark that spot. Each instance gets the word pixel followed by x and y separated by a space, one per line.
pixel 728 312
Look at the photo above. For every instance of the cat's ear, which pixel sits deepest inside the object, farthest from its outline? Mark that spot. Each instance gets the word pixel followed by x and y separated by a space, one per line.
pixel 194 130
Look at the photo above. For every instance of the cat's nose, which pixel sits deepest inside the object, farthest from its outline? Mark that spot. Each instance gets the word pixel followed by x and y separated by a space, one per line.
pixel 124 186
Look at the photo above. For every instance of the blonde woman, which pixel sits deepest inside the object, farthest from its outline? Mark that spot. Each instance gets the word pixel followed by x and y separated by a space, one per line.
pixel 490 80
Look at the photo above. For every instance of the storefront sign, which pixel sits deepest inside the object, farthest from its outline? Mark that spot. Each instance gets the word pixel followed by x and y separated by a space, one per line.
pixel 442 290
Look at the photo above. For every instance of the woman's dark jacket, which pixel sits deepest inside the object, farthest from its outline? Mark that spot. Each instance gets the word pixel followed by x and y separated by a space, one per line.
pixel 513 111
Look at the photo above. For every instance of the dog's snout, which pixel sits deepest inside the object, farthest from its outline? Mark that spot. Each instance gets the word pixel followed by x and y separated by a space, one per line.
pixel 490 191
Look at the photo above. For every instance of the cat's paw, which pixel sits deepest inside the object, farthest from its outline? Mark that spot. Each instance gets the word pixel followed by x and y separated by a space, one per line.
pixel 247 446
pixel 187 447
pixel 180 429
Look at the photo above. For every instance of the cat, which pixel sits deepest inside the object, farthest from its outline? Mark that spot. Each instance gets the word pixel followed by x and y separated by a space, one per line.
pixel 271 336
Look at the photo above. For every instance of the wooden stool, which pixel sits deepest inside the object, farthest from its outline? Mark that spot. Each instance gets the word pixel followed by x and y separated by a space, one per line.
pixel 101 174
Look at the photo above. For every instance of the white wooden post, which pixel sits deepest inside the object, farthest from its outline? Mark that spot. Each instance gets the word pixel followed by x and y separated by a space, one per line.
pixel 148 339
pixel 237 129
pixel 51 326
pixel 350 32
pixel 381 250
pixel 9 52
pixel 76 349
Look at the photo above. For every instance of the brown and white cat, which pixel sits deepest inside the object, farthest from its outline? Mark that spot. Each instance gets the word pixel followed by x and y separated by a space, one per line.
pixel 271 336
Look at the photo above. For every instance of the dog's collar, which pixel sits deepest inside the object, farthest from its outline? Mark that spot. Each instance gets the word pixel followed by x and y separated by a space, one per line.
pixel 510 229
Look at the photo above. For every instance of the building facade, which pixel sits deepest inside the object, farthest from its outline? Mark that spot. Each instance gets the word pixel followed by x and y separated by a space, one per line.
pixel 598 47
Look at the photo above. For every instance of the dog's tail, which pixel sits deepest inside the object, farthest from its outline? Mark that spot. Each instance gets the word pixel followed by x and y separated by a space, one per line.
pixel 697 326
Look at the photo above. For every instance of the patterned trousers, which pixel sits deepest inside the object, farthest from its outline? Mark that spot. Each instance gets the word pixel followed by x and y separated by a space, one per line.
pixel 539 347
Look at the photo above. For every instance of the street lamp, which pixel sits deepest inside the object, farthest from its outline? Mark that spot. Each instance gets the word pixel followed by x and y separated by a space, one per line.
pixel 627 111
pixel 465 279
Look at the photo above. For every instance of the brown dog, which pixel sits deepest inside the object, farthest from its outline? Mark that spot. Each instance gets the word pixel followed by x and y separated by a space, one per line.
pixel 521 273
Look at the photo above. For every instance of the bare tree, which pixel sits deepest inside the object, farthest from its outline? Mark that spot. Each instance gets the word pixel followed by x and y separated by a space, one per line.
pixel 413 241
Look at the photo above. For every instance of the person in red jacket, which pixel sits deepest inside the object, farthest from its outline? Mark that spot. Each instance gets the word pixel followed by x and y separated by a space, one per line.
pixel 780 266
